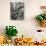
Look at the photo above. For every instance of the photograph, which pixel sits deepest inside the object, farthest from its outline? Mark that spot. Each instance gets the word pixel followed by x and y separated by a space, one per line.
pixel 17 10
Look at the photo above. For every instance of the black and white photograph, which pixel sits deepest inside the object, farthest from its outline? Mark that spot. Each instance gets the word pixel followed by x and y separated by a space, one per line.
pixel 17 10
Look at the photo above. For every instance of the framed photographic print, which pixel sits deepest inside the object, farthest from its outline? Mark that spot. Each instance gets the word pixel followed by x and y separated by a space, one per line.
pixel 17 10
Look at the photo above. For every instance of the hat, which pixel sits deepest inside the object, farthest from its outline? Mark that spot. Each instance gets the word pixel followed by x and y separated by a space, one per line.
pixel 42 7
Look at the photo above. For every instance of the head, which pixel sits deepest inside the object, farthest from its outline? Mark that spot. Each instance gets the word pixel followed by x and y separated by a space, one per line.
pixel 43 8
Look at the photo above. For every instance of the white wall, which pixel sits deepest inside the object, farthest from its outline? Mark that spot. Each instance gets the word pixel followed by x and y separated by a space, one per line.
pixel 29 24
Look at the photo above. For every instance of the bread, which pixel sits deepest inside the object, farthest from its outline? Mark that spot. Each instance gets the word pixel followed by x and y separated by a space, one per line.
pixel 2 39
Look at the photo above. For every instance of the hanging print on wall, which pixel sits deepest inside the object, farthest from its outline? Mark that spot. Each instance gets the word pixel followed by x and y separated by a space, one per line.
pixel 17 10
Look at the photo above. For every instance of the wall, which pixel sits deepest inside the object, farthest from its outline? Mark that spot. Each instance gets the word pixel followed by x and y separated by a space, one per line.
pixel 29 24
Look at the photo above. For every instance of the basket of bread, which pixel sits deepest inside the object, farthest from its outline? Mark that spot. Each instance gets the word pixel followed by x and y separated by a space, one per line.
pixel 22 40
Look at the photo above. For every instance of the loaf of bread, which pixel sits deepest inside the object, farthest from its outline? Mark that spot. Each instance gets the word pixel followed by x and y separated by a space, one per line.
pixel 2 39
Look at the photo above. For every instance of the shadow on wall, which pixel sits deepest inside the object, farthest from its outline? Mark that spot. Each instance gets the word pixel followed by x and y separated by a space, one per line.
pixel 34 22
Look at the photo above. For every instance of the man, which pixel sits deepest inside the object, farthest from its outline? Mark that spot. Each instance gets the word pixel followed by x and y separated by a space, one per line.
pixel 42 17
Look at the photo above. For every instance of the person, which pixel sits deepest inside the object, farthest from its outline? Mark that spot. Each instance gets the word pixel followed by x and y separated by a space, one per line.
pixel 42 16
